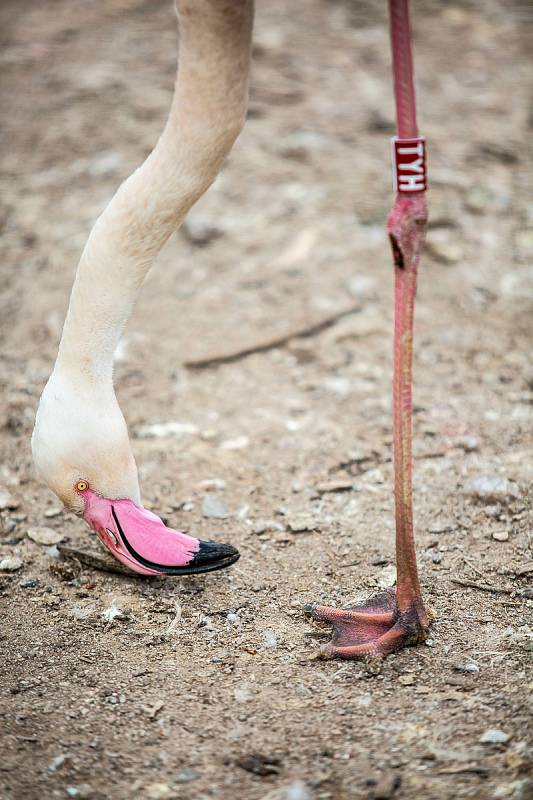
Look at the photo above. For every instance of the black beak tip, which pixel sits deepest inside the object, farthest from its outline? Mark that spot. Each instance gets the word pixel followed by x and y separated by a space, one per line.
pixel 213 555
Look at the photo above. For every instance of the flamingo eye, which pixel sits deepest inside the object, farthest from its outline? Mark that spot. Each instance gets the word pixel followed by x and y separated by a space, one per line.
pixel 82 486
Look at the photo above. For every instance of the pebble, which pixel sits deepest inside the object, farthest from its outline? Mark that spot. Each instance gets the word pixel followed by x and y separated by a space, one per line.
pixel 520 637
pixel 494 736
pixel 524 241
pixel 161 430
pixel 186 776
pixel 472 668
pixel 51 600
pixel 386 577
pixel 269 638
pixel 213 507
pixel 468 443
pixel 29 583
pixel 52 512
pixel 518 284
pixel 386 786
pixel 112 613
pixel 158 791
pixel 298 523
pixel 211 483
pixel 516 790
pixel 7 500
pixel 10 563
pixel 296 791
pixel 442 527
pixel 44 535
pixel 478 198
pixel 492 489
pixel 265 525
pixel 406 680
pixel 444 250
pixel 242 694
pixel 238 443
pixel 57 762
pixel 500 536
pixel 200 231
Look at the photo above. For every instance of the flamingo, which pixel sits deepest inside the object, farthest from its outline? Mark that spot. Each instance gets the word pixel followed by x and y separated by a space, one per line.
pixel 80 441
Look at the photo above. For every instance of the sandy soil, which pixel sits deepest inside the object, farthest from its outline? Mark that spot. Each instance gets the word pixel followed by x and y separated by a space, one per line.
pixel 208 687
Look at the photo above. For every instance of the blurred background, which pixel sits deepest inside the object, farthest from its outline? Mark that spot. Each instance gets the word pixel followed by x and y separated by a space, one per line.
pixel 285 453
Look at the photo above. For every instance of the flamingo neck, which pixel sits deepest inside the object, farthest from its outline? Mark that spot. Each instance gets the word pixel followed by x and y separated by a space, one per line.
pixel 207 114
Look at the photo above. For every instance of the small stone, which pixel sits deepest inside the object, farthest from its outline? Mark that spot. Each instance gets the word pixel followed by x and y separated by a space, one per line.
pixel 494 736
pixel 386 786
pixel 52 512
pixel 162 430
pixel 520 637
pixel 442 527
pixel 470 668
pixel 264 525
pixel 270 639
pixel 386 577
pixel 199 231
pixel 492 489
pixel 468 443
pixel 10 564
pixel 500 536
pixel 212 483
pixel 214 508
pixel 29 583
pixel 515 790
pixel 44 535
pixel 153 711
pixel 406 680
pixel 442 248
pixel 238 443
pixel 298 523
pixel 242 694
pixel 158 791
pixel 105 164
pixel 186 776
pixel 51 600
pixel 112 613
pixel 524 241
pixel 493 511
pixel 478 199
pixel 260 764
pixel 296 791
pixel 57 762
pixel 7 501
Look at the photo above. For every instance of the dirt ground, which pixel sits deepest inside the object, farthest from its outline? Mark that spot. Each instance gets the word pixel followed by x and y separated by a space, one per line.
pixel 208 687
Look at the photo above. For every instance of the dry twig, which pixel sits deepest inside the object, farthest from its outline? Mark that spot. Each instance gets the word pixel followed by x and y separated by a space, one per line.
pixel 269 344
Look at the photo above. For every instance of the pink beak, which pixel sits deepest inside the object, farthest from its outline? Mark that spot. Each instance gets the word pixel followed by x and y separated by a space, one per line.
pixel 141 541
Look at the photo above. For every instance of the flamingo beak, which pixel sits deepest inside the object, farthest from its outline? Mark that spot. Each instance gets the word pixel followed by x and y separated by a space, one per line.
pixel 142 542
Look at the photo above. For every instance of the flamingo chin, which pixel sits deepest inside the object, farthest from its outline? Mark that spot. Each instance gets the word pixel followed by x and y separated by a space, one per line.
pixel 143 543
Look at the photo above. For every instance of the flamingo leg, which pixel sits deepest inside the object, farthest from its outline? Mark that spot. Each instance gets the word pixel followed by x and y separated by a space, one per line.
pixel 397 618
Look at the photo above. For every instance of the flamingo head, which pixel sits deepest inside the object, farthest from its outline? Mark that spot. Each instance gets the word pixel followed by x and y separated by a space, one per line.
pixel 82 451
pixel 141 541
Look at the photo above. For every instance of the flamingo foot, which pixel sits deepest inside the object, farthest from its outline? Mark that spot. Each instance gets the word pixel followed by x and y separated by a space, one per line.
pixel 375 628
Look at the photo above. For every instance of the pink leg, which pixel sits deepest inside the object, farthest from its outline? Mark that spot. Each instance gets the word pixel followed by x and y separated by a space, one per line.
pixel 397 618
